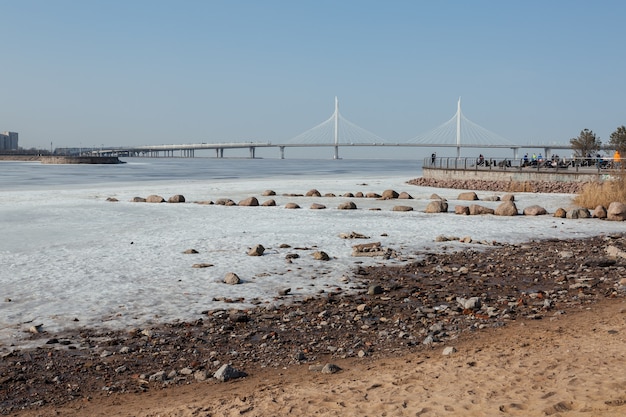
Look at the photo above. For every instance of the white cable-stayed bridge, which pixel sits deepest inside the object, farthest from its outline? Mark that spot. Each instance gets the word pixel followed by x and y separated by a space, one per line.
pixel 337 131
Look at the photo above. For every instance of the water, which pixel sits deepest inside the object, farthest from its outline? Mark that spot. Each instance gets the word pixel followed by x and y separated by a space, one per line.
pixel 33 175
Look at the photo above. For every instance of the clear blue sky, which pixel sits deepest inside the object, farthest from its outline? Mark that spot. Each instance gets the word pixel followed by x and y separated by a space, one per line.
pixel 83 73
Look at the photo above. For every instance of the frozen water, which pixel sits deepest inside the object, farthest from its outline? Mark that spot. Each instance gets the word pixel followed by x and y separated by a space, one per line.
pixel 67 254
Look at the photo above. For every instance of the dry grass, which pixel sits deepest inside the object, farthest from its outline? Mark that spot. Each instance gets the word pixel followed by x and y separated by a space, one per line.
pixel 603 193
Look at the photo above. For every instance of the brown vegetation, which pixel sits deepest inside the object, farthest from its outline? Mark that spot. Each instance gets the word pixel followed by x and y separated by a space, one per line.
pixel 603 193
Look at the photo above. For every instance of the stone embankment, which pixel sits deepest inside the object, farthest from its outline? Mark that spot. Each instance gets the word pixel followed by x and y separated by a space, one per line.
pixel 507 186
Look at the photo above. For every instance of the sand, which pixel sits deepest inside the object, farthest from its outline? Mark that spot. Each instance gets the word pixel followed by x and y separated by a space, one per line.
pixel 571 364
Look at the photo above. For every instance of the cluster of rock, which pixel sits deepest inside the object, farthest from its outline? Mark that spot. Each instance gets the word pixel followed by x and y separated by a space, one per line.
pixel 506 186
pixel 615 212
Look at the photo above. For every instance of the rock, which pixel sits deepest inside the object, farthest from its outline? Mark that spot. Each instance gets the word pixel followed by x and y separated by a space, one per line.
pixel 292 206
pixel 321 256
pixel 359 195
pixel 448 350
pixel 176 199
pixel 462 210
pixel 225 202
pixel 227 372
pixel 201 265
pixel 615 252
pixel 372 195
pixel 468 196
pixel 370 249
pixel 506 208
pixel 349 195
pixel 578 213
pixel 535 210
pixel 475 209
pixel 190 252
pixel 330 368
pixel 269 203
pixel 436 197
pixel 437 206
pixel 402 208
pixel 200 375
pixel 374 290
pixel 249 202
pixel 284 291
pixel 560 212
pixel 232 279
pixel 112 199
pixel 155 199
pixel 508 197
pixel 491 198
pixel 138 200
pixel 268 193
pixel 472 303
pixel 599 213
pixel 353 235
pixel 616 211
pixel 317 206
pixel 257 250
pixel 404 196
pixel 389 195
pixel 348 205
pixel 329 195
pixel 313 193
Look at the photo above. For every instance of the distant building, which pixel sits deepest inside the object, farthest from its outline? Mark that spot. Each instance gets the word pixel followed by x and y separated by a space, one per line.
pixel 8 141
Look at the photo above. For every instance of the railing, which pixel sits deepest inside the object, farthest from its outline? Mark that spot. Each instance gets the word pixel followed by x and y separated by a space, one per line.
pixel 539 164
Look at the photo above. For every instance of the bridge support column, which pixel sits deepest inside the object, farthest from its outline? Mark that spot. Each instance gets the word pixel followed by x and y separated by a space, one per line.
pixel 221 152
pixel 336 156
pixel 547 151
pixel 282 152
pixel 252 151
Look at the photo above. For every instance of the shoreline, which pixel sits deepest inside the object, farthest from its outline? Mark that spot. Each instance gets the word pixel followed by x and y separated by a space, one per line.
pixel 405 316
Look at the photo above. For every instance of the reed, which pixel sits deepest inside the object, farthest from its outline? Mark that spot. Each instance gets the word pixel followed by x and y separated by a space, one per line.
pixel 596 194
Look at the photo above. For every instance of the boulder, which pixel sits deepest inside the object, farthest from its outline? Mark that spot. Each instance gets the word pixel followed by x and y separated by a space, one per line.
pixel 437 206
pixel 227 372
pixel 475 209
pixel 257 250
pixel 176 199
pixel 535 210
pixel 436 197
pixel 292 206
pixel 249 202
pixel 372 195
pixel 616 211
pixel 349 195
pixel 269 203
pixel 155 199
pixel 404 196
pixel 225 202
pixel 508 197
pixel 389 195
pixel 599 213
pixel 462 210
pixel 359 195
pixel 138 200
pixel 329 195
pixel 560 212
pixel 491 198
pixel 578 213
pixel 313 193
pixel 468 196
pixel 317 206
pixel 268 193
pixel 402 208
pixel 232 279
pixel 112 199
pixel 348 205
pixel 321 256
pixel 506 208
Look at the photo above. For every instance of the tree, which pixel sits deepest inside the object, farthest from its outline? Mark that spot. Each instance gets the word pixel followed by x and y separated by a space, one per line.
pixel 618 140
pixel 586 143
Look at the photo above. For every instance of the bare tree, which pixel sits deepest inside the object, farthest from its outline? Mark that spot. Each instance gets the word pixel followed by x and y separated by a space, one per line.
pixel 586 144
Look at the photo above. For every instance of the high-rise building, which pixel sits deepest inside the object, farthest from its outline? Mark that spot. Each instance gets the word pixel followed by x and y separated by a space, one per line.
pixel 8 141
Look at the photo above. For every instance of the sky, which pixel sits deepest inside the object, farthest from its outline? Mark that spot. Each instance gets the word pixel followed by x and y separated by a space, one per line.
pixel 123 73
